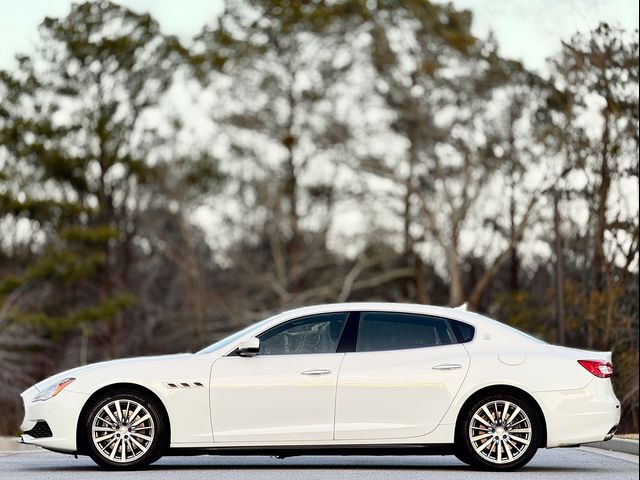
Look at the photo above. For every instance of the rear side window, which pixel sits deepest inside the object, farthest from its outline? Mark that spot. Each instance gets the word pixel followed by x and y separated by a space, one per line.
pixel 464 332
pixel 398 331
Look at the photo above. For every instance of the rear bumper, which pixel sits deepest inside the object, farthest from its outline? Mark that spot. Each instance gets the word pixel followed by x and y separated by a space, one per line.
pixel 61 416
pixel 584 415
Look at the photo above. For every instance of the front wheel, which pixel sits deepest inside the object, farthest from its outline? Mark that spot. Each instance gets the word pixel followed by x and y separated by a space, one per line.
pixel 123 430
pixel 500 432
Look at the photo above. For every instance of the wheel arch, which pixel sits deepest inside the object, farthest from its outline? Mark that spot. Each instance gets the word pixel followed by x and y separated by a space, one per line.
pixel 81 448
pixel 497 389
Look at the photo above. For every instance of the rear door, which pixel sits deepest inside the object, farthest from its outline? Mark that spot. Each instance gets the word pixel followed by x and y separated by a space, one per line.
pixel 401 379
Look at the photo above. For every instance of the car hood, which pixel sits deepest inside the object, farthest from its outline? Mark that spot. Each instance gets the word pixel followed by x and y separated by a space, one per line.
pixel 135 362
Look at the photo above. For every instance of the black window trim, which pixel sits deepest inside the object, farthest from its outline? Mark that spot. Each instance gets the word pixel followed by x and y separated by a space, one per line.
pixel 349 336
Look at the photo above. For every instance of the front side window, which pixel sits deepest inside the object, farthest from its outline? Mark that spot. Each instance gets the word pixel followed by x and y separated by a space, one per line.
pixel 313 334
pixel 398 331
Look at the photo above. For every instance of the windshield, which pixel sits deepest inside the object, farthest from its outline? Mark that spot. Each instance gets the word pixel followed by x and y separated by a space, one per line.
pixel 227 340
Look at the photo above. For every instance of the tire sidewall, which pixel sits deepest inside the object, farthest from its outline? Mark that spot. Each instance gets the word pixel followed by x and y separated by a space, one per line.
pixel 151 455
pixel 468 452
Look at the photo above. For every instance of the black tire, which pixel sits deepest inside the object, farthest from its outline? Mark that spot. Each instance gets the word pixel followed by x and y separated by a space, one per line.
pixel 466 451
pixel 157 431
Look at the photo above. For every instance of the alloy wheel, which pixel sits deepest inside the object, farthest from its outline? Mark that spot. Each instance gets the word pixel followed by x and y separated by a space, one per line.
pixel 122 430
pixel 500 431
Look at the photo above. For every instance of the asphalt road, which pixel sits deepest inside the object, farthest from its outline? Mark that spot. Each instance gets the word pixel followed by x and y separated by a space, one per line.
pixel 565 464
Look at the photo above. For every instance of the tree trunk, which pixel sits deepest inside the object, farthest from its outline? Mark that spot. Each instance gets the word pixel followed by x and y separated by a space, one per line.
pixel 559 277
pixel 514 271
pixel 456 295
pixel 485 280
pixel 601 216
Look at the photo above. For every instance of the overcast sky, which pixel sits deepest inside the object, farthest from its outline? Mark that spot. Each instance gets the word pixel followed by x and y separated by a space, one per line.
pixel 526 30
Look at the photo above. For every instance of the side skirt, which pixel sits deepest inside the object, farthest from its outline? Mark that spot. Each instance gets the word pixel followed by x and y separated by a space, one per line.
pixel 283 451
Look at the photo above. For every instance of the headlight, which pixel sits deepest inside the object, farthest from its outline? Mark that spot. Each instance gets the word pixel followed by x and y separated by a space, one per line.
pixel 53 390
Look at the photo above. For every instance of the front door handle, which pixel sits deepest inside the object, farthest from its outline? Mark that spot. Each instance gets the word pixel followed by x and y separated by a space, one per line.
pixel 317 371
pixel 447 366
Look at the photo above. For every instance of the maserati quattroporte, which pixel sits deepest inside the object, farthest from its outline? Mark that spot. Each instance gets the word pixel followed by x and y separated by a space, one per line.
pixel 355 378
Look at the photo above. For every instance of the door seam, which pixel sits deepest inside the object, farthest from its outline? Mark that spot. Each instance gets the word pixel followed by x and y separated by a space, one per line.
pixel 335 397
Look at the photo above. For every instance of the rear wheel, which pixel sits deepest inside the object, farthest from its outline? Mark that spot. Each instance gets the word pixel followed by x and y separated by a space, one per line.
pixel 500 432
pixel 125 429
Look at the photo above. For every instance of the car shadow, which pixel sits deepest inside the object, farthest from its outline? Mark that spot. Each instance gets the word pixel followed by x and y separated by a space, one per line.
pixel 281 466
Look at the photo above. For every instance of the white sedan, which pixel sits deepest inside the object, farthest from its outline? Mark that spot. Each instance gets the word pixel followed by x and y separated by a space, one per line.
pixel 355 378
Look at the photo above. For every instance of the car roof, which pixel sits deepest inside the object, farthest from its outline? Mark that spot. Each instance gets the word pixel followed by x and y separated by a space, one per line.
pixel 486 328
pixel 454 313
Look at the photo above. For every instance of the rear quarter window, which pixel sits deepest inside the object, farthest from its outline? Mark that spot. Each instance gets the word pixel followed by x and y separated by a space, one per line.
pixel 464 332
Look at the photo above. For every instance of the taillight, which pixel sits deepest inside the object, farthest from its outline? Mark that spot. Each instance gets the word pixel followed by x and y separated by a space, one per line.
pixel 599 368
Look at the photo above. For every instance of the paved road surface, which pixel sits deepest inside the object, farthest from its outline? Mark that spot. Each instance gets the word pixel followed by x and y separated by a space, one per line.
pixel 564 464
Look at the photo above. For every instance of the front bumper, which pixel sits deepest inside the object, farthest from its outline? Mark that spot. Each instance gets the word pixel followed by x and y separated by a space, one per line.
pixel 61 416
pixel 579 416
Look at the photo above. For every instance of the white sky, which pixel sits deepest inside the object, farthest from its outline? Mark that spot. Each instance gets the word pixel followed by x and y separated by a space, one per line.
pixel 529 30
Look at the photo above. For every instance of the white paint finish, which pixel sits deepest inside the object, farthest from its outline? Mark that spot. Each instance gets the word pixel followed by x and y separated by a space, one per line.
pixel 188 408
pixel 268 398
pixel 513 359
pixel 379 404
pixel 60 412
pixel 579 416
pixel 397 394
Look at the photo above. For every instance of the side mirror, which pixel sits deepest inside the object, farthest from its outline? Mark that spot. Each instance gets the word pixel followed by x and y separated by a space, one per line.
pixel 249 347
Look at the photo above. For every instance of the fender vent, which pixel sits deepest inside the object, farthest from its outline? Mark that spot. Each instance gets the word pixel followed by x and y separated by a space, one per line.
pixel 184 385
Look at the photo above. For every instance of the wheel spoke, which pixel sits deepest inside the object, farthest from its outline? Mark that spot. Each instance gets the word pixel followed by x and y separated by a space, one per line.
pixel 507 449
pixel 104 447
pixel 103 429
pixel 140 420
pixel 521 440
pixel 489 414
pixel 505 411
pixel 139 445
pixel 515 413
pixel 115 448
pixel 499 454
pixel 119 411
pixel 144 437
pixel 520 430
pixel 483 446
pixel 481 420
pixel 514 445
pixel 104 437
pixel 106 409
pixel 133 415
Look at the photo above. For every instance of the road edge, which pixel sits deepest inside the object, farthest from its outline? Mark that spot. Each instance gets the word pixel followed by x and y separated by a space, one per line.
pixel 622 445
pixel 11 445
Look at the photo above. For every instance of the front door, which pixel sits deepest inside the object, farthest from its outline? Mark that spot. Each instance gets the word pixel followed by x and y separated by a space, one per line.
pixel 401 379
pixel 286 393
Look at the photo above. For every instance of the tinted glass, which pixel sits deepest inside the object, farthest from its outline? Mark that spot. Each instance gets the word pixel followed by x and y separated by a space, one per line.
pixel 314 334
pixel 398 331
pixel 464 331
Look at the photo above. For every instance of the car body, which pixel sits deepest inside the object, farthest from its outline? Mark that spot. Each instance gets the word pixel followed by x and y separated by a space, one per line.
pixel 377 378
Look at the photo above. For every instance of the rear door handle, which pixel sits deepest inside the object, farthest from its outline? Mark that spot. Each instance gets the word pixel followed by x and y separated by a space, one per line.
pixel 317 371
pixel 446 366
